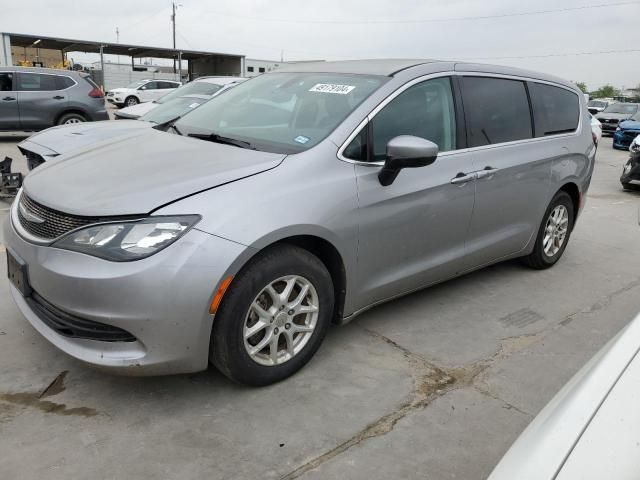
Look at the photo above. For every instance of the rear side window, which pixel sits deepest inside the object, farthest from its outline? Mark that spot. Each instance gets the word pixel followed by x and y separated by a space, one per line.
pixel 36 82
pixel 64 82
pixel 6 81
pixel 555 109
pixel 497 110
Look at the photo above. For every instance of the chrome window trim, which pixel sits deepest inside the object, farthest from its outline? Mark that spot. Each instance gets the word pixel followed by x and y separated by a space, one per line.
pixel 431 76
pixel 46 91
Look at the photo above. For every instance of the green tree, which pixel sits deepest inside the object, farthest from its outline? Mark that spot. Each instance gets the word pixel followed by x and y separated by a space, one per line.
pixel 582 86
pixel 606 91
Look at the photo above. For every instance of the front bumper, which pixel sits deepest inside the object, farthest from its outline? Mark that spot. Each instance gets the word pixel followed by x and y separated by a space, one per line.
pixel 631 170
pixel 622 138
pixel 162 300
pixel 609 128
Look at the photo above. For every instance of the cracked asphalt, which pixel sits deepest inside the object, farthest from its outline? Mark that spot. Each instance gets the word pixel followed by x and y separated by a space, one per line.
pixel 436 385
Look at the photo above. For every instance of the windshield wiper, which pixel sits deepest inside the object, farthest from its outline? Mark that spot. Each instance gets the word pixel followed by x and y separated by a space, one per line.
pixel 164 126
pixel 214 137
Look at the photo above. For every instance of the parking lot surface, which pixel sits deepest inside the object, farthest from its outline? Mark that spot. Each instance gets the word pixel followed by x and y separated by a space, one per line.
pixel 436 385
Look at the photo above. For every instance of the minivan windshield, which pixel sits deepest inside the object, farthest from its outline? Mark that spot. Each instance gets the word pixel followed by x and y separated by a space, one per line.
pixel 625 108
pixel 201 87
pixel 281 112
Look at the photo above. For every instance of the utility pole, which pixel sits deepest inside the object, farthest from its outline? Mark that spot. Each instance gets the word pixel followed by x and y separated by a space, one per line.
pixel 118 41
pixel 173 21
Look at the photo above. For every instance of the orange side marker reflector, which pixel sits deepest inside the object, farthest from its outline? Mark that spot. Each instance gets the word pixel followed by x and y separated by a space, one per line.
pixel 215 303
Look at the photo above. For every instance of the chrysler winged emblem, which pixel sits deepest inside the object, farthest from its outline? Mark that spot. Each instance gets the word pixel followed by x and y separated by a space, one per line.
pixel 28 216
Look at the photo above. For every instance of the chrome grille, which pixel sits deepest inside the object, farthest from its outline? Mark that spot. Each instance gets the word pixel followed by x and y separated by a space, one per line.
pixel 55 223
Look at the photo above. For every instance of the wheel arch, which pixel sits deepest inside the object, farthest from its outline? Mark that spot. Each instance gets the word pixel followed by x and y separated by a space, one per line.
pixel 573 191
pixel 75 110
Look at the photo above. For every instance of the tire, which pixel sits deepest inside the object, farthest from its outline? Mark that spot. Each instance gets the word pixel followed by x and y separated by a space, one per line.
pixel 541 257
pixel 130 101
pixel 71 118
pixel 630 186
pixel 277 265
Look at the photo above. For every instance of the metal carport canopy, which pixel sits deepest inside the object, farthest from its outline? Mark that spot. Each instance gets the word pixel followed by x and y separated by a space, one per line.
pixel 70 45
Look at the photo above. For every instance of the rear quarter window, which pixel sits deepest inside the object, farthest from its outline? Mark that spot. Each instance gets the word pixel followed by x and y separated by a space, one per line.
pixel 555 109
pixel 64 82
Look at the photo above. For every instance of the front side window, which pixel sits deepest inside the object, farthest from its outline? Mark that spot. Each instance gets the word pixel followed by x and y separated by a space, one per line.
pixel 136 85
pixel 150 86
pixel 556 110
pixel 192 88
pixel 6 81
pixel 424 110
pixel 282 112
pixel 36 82
pixel 497 110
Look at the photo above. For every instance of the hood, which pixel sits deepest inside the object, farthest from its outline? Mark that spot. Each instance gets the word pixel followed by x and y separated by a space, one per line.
pixel 630 125
pixel 139 172
pixel 136 111
pixel 66 138
pixel 617 116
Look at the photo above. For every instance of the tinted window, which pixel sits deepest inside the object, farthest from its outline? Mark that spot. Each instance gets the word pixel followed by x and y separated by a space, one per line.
pixel 555 109
pixel 63 82
pixel 150 86
pixel 357 149
pixel 425 110
pixel 6 81
pixel 35 82
pixel 497 110
pixel 167 85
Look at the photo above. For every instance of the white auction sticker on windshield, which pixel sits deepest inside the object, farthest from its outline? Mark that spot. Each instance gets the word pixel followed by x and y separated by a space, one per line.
pixel 332 88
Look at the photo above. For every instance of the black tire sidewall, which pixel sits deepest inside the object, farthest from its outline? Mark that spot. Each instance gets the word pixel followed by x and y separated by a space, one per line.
pixel 228 353
pixel 561 198
pixel 126 101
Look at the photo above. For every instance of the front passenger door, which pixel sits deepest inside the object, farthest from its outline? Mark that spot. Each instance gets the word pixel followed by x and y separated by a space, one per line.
pixel 412 232
pixel 150 91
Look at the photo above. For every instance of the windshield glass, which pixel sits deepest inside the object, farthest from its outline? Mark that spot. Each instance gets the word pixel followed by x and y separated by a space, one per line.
pixel 191 88
pixel 135 84
pixel 597 104
pixel 621 108
pixel 282 112
pixel 172 109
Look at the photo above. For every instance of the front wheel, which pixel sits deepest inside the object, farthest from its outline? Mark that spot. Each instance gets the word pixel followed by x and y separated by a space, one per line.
pixel 553 234
pixel 131 101
pixel 274 316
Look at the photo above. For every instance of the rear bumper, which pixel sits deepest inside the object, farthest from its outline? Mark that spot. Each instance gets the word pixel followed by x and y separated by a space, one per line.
pixel 161 301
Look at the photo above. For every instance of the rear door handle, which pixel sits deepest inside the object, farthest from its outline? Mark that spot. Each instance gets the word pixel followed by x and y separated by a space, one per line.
pixel 486 172
pixel 461 178
pixel 8 99
pixel 58 97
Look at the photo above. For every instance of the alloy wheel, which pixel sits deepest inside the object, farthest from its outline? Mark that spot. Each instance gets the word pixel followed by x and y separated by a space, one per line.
pixel 555 231
pixel 281 320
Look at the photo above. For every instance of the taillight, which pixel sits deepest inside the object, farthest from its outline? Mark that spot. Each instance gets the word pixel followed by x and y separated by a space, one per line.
pixel 96 93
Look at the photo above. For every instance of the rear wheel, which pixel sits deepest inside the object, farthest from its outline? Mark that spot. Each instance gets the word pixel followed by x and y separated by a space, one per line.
pixel 273 317
pixel 630 186
pixel 554 232
pixel 71 118
pixel 131 101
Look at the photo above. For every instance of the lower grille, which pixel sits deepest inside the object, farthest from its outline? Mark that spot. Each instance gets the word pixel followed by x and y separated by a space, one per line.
pixel 74 327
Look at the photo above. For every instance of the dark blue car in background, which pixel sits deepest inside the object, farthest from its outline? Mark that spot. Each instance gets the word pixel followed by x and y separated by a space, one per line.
pixel 626 132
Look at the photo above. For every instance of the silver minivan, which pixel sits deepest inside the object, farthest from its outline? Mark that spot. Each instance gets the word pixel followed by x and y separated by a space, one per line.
pixel 238 233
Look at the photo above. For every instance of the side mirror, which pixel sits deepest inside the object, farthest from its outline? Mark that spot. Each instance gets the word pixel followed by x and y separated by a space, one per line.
pixel 406 151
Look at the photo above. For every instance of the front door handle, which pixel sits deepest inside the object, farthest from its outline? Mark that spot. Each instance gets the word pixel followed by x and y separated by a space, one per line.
pixel 58 97
pixel 486 172
pixel 8 99
pixel 461 178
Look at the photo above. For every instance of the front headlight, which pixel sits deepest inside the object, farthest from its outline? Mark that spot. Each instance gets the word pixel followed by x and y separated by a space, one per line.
pixel 635 145
pixel 127 241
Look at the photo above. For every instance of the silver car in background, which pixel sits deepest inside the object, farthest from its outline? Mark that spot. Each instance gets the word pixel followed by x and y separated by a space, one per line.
pixel 37 98
pixel 200 86
pixel 301 197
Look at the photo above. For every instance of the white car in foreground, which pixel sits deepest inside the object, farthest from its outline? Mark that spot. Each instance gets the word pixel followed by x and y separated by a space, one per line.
pixel 591 428
pixel 200 86
pixel 140 92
